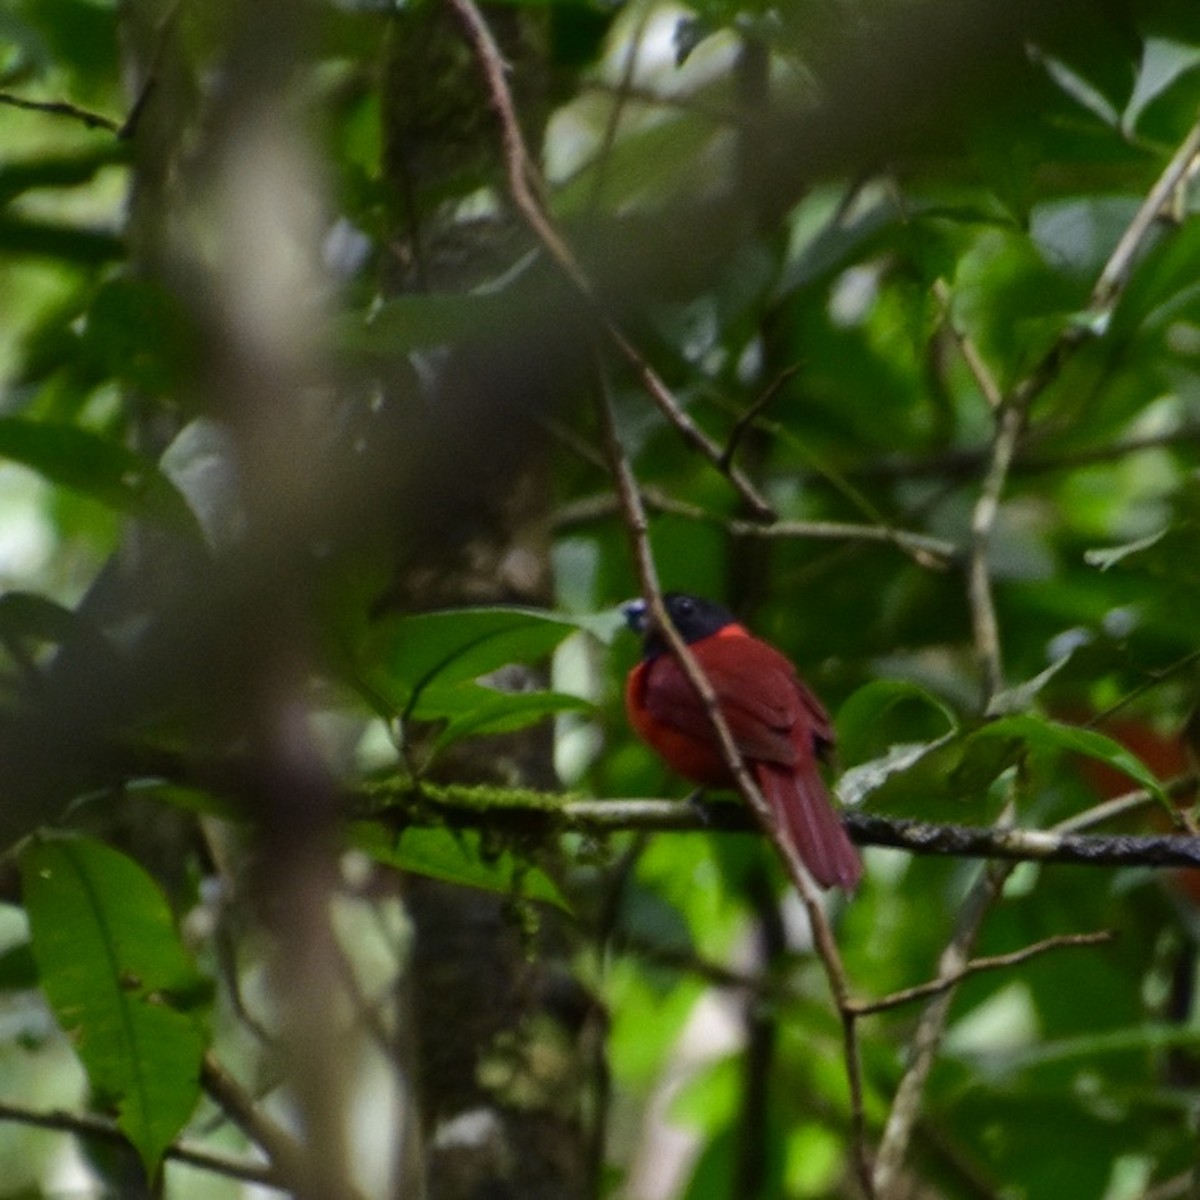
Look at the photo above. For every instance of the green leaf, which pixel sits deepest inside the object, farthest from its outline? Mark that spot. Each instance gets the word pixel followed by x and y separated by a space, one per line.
pixel 68 243
pixel 485 710
pixel 456 857
pixel 1164 63
pixel 410 323
pixel 1042 733
pixel 97 467
pixel 1109 556
pixel 26 616
pixel 1018 698
pixel 139 334
pixel 869 716
pixel 1086 1049
pixel 864 780
pixel 57 171
pixel 17 968
pixel 111 964
pixel 455 646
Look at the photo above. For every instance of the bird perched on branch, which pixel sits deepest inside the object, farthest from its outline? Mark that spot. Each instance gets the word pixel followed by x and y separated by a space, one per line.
pixel 777 725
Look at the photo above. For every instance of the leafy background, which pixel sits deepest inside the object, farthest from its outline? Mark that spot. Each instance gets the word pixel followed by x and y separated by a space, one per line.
pixel 893 259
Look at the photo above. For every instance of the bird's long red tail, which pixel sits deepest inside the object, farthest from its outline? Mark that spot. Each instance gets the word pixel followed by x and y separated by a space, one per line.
pixel 807 820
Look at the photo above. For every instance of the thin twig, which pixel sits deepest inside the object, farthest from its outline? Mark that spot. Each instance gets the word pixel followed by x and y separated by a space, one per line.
pixel 1178 787
pixel 612 124
pixel 984 378
pixel 61 108
pixel 1117 270
pixel 1152 680
pixel 278 1145
pixel 960 464
pixel 1010 420
pixel 86 1125
pixel 1011 413
pixel 992 962
pixel 521 173
pixel 823 938
pixel 923 1047
pixel 929 551
pixel 743 423
pixel 691 102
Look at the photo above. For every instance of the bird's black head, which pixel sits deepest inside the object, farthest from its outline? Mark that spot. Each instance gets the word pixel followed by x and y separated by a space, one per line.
pixel 693 618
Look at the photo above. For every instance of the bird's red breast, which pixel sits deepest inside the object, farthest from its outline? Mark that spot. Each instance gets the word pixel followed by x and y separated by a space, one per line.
pixel 777 724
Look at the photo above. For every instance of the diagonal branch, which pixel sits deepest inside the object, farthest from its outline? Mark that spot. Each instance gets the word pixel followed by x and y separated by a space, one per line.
pixel 522 174
pixel 823 938
pixel 1010 420
pixel 1119 267
pixel 61 108
pixel 992 962
pixel 924 1044
pixel 986 628
pixel 87 1125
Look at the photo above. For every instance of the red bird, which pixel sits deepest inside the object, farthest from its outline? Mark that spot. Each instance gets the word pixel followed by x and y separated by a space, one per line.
pixel 777 724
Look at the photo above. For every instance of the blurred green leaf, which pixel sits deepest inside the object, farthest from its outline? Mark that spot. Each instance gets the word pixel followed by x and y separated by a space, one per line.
pixel 113 969
pixel 1164 63
pixel 457 857
pixel 431 653
pixel 72 244
pixel 866 724
pixel 27 617
pixel 97 467
pixel 410 323
pixel 1042 733
pixel 17 968
pixel 79 35
pixel 64 171
pixel 138 333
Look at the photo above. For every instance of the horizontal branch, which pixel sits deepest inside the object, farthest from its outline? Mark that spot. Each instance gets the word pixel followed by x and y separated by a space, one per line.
pixel 992 962
pixel 61 108
pixel 89 1126
pixel 1026 845
pixel 604 504
pixel 535 813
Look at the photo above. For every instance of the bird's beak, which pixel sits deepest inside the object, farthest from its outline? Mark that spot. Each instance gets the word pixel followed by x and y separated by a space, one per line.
pixel 634 612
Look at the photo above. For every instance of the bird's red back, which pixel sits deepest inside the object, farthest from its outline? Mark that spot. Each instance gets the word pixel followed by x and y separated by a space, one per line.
pixel 777 724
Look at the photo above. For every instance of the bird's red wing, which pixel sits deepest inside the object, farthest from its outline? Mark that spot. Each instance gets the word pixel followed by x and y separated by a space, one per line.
pixel 818 719
pixel 760 698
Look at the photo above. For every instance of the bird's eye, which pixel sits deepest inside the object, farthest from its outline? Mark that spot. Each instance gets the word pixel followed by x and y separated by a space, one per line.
pixel 684 606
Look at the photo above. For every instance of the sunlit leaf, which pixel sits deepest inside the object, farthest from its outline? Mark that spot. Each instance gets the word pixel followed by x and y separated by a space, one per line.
pixel 115 972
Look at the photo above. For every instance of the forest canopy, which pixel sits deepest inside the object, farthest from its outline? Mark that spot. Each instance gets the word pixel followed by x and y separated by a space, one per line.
pixel 358 359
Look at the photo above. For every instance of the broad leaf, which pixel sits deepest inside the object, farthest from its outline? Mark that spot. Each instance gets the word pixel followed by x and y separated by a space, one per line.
pixel 97 467
pixel 485 710
pixel 457 857
pixel 1042 733
pixel 870 714
pixel 438 650
pixel 117 977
